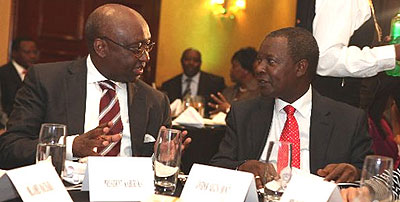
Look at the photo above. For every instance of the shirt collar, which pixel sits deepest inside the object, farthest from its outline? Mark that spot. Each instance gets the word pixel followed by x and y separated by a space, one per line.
pixel 94 76
pixel 18 67
pixel 195 78
pixel 302 105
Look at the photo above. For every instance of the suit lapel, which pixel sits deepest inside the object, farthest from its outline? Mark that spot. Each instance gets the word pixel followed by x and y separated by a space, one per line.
pixel 261 123
pixel 75 88
pixel 137 115
pixel 320 130
pixel 202 84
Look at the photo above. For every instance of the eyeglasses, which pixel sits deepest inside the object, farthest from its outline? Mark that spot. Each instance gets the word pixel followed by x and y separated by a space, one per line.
pixel 138 51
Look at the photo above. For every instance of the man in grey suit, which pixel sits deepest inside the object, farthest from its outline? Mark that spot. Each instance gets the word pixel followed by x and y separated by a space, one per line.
pixel 118 40
pixel 333 137
pixel 193 81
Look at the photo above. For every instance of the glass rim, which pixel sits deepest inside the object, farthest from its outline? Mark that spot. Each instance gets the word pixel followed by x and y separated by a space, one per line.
pixel 374 156
pixel 53 124
pixel 171 130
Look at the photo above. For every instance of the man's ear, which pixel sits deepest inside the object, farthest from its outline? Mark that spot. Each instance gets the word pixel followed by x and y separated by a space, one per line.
pixel 100 47
pixel 301 68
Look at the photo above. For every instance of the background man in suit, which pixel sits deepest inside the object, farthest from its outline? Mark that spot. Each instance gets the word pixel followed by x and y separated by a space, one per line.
pixel 70 93
pixel 24 55
pixel 193 81
pixel 332 138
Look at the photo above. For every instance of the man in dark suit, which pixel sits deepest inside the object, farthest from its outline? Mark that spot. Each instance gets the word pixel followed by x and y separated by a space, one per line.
pixel 193 81
pixel 332 138
pixel 70 93
pixel 24 55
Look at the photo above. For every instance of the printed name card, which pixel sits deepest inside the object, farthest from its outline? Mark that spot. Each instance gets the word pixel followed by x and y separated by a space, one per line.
pixel 38 182
pixel 207 183
pixel 119 178
pixel 310 188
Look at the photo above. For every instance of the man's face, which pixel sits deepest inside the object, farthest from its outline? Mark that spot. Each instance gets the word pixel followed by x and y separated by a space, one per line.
pixel 237 72
pixel 125 64
pixel 27 54
pixel 275 70
pixel 191 63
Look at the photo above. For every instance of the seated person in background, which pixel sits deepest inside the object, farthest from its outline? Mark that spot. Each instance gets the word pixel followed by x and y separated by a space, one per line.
pixel 352 194
pixel 242 74
pixel 193 81
pixel 329 138
pixel 24 55
pixel 73 93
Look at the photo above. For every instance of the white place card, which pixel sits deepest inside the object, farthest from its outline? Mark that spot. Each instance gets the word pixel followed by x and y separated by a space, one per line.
pixel 307 187
pixel 207 183
pixel 119 178
pixel 38 182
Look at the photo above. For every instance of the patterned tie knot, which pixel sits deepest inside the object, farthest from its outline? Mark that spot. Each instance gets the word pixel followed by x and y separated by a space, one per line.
pixel 289 110
pixel 107 84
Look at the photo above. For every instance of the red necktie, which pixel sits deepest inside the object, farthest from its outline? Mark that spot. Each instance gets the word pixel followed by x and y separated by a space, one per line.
pixel 109 111
pixel 290 133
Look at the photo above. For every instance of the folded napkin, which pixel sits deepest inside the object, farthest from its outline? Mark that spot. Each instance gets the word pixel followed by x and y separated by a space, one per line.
pixel 219 119
pixel 190 117
pixel 75 172
pixel 176 107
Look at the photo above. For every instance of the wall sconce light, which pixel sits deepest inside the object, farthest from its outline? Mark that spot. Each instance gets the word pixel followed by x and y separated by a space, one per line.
pixel 227 8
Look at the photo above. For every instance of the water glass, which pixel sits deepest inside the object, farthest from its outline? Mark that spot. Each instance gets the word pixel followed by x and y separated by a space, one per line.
pixel 196 102
pixel 278 170
pixel 51 144
pixel 376 179
pixel 167 160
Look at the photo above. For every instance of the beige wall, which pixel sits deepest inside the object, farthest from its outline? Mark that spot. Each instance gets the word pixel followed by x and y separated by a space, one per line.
pixel 5 16
pixel 186 24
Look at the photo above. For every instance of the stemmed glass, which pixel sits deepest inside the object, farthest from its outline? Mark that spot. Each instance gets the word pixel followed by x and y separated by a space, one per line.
pixel 376 179
pixel 167 160
pixel 51 144
pixel 278 170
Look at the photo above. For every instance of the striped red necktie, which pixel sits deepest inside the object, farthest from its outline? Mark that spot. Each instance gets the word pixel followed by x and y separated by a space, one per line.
pixel 110 111
pixel 290 133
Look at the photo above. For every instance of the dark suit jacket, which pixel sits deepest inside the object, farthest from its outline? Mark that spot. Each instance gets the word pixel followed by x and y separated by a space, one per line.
pixel 208 84
pixel 338 133
pixel 10 83
pixel 56 93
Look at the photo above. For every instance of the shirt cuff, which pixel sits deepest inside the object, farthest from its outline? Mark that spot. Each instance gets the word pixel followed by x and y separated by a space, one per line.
pixel 68 145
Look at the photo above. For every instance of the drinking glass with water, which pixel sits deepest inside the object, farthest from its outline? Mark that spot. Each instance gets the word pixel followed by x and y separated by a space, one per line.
pixel 167 160
pixel 278 170
pixel 51 144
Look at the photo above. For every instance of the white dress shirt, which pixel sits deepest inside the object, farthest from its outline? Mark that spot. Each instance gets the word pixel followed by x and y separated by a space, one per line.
pixel 20 70
pixel 93 96
pixel 194 85
pixel 302 114
pixel 334 23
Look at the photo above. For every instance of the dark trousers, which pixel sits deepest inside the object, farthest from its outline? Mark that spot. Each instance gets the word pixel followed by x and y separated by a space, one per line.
pixel 345 89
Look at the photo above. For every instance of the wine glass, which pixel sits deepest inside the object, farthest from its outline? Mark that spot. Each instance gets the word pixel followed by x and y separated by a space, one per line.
pixel 167 160
pixel 376 179
pixel 278 170
pixel 51 144
pixel 198 104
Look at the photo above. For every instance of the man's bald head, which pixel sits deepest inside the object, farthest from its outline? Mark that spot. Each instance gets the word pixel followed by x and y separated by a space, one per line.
pixel 110 19
pixel 118 41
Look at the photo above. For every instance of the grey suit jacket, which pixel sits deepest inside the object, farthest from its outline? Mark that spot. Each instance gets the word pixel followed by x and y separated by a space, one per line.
pixel 56 93
pixel 338 133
